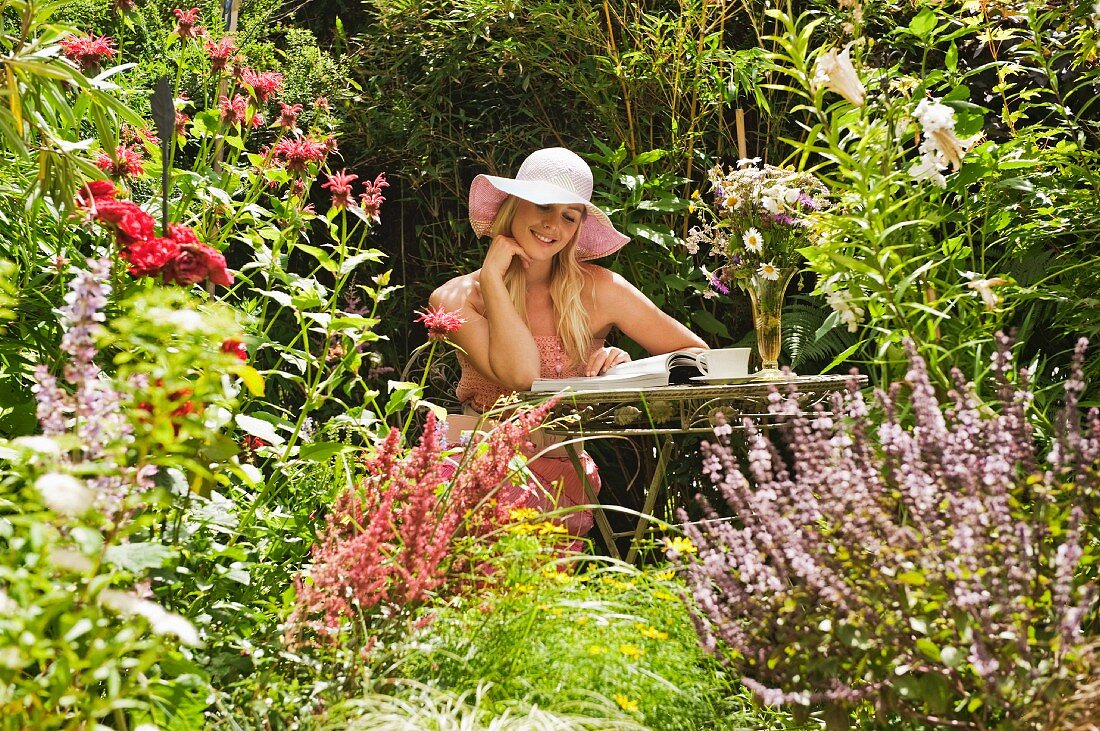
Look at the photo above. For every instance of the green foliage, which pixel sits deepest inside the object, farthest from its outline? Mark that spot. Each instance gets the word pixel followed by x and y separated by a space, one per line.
pixel 451 88
pixel 949 266
pixel 551 637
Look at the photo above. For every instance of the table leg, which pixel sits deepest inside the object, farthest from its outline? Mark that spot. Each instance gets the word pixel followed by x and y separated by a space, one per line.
pixel 601 519
pixel 652 493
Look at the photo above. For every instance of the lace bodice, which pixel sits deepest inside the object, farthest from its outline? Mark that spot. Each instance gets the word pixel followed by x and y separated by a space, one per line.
pixel 479 392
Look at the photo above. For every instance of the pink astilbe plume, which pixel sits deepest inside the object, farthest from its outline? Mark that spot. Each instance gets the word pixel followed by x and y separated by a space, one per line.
pixel 903 552
pixel 390 540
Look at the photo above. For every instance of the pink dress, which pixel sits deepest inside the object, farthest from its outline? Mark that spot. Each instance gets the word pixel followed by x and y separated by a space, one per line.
pixel 559 484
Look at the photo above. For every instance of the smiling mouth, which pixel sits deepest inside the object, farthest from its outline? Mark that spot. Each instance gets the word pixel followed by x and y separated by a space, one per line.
pixel 543 239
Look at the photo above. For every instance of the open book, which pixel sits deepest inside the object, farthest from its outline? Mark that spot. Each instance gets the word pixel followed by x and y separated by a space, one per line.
pixel 657 370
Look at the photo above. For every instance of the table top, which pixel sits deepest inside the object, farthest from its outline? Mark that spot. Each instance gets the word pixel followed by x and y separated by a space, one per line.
pixel 680 409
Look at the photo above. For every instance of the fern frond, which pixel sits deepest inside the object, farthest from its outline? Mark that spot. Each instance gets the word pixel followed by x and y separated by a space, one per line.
pixel 802 316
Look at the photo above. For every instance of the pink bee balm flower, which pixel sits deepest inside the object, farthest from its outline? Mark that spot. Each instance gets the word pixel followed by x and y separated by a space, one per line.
pixel 439 322
pixel 340 185
pixel 220 53
pixel 88 51
pixel 297 154
pixel 125 163
pixel 186 24
pixel 371 199
pixel 233 110
pixel 288 115
pixel 182 120
pixel 263 84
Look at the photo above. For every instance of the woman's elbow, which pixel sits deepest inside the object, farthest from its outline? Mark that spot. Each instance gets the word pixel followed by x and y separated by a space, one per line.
pixel 520 381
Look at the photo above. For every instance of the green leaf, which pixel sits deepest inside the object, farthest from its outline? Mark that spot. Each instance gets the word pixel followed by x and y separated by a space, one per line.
pixel 402 393
pixel 951 60
pixel 320 255
pixel 709 323
pixel 137 557
pixel 351 262
pixel 323 451
pixel 645 158
pixel 923 23
pixel 928 648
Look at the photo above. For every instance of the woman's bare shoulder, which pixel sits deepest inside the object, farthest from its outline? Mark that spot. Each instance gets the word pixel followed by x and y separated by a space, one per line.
pixel 607 282
pixel 457 293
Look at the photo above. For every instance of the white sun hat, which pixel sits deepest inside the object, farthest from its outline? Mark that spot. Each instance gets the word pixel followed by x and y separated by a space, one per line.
pixel 553 175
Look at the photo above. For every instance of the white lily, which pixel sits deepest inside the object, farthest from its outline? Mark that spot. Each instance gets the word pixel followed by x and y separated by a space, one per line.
pixel 835 72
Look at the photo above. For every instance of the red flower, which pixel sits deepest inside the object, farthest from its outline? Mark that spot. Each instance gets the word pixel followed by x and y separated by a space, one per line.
pixel 182 234
pixel 88 52
pixel 196 262
pixel 288 115
pixel 125 6
pixel 298 153
pixel 187 407
pixel 182 120
pixel 233 111
pixel 439 322
pixel 322 103
pixel 235 347
pixel 371 199
pixel 257 120
pixel 125 163
pixel 131 224
pixel 263 84
pixel 93 191
pixel 220 53
pixel 186 26
pixel 149 257
pixel 252 443
pixel 340 185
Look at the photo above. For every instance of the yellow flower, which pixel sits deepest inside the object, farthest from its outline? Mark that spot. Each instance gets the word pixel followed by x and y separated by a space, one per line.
pixel 548 529
pixel 625 703
pixel 631 651
pixel 665 595
pixel 651 632
pixel 581 620
pixel 679 545
pixel 596 649
pixel 523 513
pixel 696 195
pixel 666 575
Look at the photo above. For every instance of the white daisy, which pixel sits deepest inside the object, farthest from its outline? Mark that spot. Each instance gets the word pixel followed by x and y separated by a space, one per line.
pixel 768 270
pixel 754 241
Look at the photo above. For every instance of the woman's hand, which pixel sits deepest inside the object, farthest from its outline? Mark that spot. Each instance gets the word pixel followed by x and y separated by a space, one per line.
pixel 604 359
pixel 502 249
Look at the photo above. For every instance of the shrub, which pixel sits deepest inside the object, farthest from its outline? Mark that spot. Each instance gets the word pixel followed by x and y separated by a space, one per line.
pixel 931 565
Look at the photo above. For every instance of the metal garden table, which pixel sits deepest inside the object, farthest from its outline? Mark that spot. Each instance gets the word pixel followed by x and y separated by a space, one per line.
pixel 664 413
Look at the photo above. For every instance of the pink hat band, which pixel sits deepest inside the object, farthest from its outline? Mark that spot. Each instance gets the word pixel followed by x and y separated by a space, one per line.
pixel 553 175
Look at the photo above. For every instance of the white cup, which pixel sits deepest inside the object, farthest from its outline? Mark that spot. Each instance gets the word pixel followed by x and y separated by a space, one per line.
pixel 725 362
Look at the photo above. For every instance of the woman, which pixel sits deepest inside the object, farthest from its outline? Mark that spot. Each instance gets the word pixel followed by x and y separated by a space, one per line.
pixel 536 309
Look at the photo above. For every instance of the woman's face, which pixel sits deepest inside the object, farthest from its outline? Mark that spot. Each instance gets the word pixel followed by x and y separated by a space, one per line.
pixel 543 231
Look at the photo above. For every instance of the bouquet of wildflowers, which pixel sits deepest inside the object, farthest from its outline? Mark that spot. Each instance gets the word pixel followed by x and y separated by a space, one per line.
pixel 759 220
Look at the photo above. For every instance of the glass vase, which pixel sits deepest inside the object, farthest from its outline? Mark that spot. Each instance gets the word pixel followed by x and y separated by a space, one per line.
pixel 767 311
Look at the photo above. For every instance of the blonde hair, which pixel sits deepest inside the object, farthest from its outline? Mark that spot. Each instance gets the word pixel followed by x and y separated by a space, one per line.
pixel 567 279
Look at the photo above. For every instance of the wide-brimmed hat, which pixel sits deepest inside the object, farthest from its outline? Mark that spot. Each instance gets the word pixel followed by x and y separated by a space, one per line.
pixel 550 176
